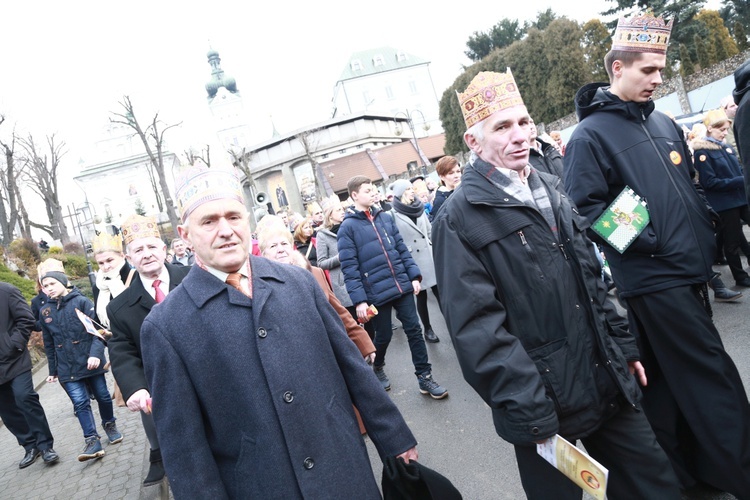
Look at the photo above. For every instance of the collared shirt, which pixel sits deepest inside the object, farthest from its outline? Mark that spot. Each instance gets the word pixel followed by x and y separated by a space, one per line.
pixel 148 283
pixel 183 260
pixel 519 182
pixel 244 281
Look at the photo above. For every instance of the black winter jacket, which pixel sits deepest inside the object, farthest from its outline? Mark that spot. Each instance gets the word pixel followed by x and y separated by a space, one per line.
pixel 741 125
pixel 526 312
pixel 16 323
pixel 549 160
pixel 377 266
pixel 66 342
pixel 620 144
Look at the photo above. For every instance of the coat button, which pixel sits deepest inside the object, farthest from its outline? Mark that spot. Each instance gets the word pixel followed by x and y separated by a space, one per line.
pixel 262 332
pixel 309 463
pixel 535 430
pixel 288 396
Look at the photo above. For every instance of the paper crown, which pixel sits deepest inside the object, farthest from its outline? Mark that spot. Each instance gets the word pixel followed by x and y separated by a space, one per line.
pixel 137 226
pixel 488 92
pixel 642 33
pixel 104 242
pixel 196 186
pixel 49 265
pixel 714 117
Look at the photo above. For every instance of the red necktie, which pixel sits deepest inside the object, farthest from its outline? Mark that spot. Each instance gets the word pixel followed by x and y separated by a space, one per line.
pixel 233 279
pixel 158 294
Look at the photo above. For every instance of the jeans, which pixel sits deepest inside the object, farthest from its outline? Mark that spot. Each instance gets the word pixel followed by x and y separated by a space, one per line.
pixel 23 414
pixel 82 403
pixel 406 312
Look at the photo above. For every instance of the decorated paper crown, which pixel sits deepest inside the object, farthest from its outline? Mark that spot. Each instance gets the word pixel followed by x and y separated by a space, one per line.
pixel 715 116
pixel 488 92
pixel 138 226
pixel 104 242
pixel 196 186
pixel 642 33
pixel 49 265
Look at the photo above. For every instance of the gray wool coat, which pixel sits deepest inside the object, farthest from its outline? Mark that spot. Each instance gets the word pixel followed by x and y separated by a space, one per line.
pixel 328 260
pixel 418 239
pixel 252 398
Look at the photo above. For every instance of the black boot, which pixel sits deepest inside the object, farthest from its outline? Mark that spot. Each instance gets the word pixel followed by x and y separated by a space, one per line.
pixel 721 292
pixel 155 470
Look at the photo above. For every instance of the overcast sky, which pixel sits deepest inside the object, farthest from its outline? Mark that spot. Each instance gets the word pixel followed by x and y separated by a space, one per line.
pixel 66 64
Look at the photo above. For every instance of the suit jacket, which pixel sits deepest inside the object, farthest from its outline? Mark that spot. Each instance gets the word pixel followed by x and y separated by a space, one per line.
pixel 126 313
pixel 16 323
pixel 253 398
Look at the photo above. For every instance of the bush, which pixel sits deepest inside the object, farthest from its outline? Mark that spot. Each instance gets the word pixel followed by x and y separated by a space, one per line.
pixel 75 265
pixel 54 250
pixel 26 253
pixel 27 287
pixel 74 248
pixel 84 286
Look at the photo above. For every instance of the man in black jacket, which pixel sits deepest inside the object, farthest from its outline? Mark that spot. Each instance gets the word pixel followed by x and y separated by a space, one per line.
pixel 694 387
pixel 20 409
pixel 527 311
pixel 741 96
pixel 153 281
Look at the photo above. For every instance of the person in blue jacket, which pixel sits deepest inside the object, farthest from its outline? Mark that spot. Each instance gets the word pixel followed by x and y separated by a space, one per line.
pixel 76 359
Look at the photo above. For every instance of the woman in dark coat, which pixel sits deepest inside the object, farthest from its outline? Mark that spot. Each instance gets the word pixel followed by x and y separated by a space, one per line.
pixel 305 241
pixel 449 172
pixel 721 176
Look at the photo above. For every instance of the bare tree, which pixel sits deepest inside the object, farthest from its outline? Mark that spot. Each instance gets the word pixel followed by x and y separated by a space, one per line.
pixel 41 174
pixel 310 145
pixel 152 138
pixel 204 156
pixel 241 160
pixel 10 193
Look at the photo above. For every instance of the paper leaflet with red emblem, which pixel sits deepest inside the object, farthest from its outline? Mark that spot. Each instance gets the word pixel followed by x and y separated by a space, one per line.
pixel 577 465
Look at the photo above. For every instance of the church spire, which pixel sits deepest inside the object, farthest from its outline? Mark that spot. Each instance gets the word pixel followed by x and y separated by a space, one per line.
pixel 218 78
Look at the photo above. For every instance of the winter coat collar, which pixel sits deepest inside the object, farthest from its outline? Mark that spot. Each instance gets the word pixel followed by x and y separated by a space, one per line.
pixel 144 297
pixel 597 97
pixel 707 143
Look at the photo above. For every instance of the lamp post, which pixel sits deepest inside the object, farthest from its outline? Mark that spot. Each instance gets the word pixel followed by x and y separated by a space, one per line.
pixel 409 115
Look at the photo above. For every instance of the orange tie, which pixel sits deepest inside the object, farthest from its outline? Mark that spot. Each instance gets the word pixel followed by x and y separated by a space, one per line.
pixel 233 279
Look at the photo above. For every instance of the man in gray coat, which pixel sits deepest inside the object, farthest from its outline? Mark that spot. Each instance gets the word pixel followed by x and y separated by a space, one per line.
pixel 251 372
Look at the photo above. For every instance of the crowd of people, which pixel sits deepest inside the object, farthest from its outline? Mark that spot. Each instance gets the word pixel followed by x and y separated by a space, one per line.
pixel 239 349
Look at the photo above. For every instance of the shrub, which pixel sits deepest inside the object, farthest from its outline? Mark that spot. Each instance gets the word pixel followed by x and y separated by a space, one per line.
pixel 75 265
pixel 84 286
pixel 27 287
pixel 26 252
pixel 74 248
pixel 54 250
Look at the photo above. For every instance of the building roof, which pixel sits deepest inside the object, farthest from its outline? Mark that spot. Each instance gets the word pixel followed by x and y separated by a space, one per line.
pixel 379 60
pixel 391 160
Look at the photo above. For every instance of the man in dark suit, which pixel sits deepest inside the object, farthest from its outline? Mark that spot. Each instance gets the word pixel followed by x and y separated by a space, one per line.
pixel 252 373
pixel 20 409
pixel 153 281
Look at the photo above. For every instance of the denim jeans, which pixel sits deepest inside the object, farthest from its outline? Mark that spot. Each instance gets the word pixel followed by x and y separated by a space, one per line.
pixel 406 312
pixel 82 403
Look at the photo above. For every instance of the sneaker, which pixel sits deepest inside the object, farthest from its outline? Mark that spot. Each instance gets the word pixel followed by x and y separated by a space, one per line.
pixel 112 433
pixel 93 449
pixel 380 373
pixel 427 385
pixel 430 336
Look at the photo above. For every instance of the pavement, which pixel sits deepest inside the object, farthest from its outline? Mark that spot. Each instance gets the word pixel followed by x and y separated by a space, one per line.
pixel 456 435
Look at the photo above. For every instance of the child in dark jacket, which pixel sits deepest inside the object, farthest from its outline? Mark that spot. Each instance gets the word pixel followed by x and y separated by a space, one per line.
pixel 76 358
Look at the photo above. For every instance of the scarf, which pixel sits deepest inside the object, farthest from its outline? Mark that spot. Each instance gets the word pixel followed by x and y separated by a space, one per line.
pixel 335 229
pixel 414 210
pixel 539 198
pixel 110 285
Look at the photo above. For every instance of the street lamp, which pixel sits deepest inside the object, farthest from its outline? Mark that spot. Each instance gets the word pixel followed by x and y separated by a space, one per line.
pixel 409 115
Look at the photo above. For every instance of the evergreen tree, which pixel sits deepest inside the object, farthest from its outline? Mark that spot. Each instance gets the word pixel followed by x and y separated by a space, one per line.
pixel 740 37
pixel 596 42
pixel 501 35
pixel 704 57
pixel 687 67
pixel 718 35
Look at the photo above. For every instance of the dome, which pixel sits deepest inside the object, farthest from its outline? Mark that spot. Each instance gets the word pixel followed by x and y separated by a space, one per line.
pixel 212 53
pixel 212 87
pixel 230 83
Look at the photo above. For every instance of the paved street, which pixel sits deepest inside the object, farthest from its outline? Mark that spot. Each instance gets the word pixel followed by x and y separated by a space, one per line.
pixel 456 435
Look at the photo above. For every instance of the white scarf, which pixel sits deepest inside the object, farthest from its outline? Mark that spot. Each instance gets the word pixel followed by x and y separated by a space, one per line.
pixel 110 285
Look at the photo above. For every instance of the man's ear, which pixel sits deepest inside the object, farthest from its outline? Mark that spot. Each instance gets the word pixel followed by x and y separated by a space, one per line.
pixel 471 142
pixel 182 231
pixel 617 67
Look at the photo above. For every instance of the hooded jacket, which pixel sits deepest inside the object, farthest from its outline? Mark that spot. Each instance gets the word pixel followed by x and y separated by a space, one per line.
pixel 527 314
pixel 67 343
pixel 719 173
pixel 377 266
pixel 742 119
pixel 619 144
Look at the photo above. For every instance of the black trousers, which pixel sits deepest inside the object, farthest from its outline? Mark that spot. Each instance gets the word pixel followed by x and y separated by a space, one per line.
pixel 23 414
pixel 624 444
pixel 695 399
pixel 733 238
pixel 424 314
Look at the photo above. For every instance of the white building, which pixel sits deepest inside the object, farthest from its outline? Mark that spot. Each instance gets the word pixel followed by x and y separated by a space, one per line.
pixel 388 81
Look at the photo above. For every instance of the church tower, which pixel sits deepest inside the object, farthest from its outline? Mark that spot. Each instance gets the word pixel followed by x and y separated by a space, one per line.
pixel 227 110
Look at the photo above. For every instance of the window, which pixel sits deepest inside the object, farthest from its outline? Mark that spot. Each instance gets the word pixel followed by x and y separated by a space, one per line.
pixel 356 65
pixel 401 56
pixel 413 87
pixel 389 92
pixel 342 151
pixel 378 60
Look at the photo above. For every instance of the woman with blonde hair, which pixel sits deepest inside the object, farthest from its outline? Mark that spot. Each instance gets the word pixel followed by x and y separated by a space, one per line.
pixel 305 241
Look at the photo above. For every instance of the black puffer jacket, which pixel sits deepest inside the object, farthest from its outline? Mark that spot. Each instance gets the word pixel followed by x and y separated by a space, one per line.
pixel 620 144
pixel 742 119
pixel 526 312
pixel 549 160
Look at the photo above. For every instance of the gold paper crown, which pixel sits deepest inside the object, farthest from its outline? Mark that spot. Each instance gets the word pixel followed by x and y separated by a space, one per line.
pixel 49 265
pixel 642 33
pixel 196 186
pixel 487 93
pixel 137 226
pixel 104 242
